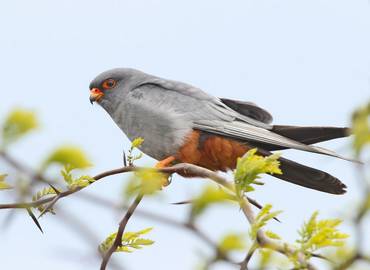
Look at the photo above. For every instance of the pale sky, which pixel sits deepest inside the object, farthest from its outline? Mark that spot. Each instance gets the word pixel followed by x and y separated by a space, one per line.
pixel 307 62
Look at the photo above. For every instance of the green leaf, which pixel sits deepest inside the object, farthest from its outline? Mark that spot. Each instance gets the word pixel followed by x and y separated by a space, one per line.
pixel 317 234
pixel 45 192
pixel 70 156
pixel 3 184
pixel 361 128
pixel 272 235
pixel 264 216
pixel 209 196
pixel 42 193
pixel 130 241
pixel 232 242
pixel 137 143
pixel 148 181
pixel 250 167
pixel 18 123
pixel 66 172
pixel 79 182
pixel 266 256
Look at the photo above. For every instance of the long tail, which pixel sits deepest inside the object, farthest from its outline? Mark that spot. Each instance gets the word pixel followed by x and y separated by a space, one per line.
pixel 308 177
pixel 309 135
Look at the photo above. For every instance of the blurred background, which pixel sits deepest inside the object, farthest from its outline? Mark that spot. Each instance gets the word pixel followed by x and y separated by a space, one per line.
pixel 307 62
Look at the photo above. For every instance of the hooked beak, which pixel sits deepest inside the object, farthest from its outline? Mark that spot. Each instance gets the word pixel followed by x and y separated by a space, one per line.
pixel 95 95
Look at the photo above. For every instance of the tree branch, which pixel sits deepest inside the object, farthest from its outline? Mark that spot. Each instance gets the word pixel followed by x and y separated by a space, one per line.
pixel 122 226
pixel 179 168
pixel 183 168
pixel 245 262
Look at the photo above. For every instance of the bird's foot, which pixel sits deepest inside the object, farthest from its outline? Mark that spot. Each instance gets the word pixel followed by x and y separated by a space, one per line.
pixel 163 164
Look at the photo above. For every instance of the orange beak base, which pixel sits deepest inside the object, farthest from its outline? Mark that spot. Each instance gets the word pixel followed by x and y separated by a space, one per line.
pixel 95 95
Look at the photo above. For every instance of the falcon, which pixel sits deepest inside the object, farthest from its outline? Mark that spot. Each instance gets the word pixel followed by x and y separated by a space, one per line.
pixel 182 123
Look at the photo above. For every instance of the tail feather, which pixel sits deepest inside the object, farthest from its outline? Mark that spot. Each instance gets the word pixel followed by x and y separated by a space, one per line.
pixel 309 135
pixel 310 178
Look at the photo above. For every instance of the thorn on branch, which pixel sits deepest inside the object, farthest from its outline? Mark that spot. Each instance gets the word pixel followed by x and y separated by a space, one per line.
pixel 55 189
pixel 29 211
pixel 124 159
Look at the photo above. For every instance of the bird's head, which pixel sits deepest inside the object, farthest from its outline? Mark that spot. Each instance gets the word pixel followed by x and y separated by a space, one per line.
pixel 105 86
pixel 112 85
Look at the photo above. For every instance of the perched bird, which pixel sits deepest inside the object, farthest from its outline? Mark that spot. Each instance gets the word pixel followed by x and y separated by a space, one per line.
pixel 181 123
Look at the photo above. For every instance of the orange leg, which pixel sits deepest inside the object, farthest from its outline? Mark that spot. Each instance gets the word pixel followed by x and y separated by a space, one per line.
pixel 165 163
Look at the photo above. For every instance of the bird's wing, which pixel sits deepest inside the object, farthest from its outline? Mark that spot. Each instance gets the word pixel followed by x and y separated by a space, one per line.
pixel 249 109
pixel 219 107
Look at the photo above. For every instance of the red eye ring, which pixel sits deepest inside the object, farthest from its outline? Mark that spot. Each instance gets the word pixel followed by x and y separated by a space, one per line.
pixel 109 84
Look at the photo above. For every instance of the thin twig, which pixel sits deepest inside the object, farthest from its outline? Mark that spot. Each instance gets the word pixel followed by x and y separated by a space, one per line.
pixel 245 262
pixel 122 226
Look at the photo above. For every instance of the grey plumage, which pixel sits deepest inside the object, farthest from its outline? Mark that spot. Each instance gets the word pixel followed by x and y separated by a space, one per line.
pixel 163 112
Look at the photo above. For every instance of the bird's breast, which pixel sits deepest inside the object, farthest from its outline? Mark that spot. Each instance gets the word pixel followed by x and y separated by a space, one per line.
pixel 164 131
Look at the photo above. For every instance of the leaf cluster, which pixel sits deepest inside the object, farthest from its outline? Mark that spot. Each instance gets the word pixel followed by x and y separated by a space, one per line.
pixel 3 184
pixel 18 123
pixel 131 157
pixel 317 234
pixel 145 181
pixel 42 194
pixel 232 242
pixel 210 195
pixel 263 217
pixel 75 182
pixel 130 241
pixel 250 167
pixel 67 155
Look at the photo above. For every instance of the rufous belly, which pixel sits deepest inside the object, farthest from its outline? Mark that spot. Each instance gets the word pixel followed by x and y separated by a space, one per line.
pixel 210 151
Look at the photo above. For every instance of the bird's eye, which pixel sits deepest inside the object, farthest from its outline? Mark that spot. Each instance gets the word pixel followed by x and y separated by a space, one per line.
pixel 109 84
